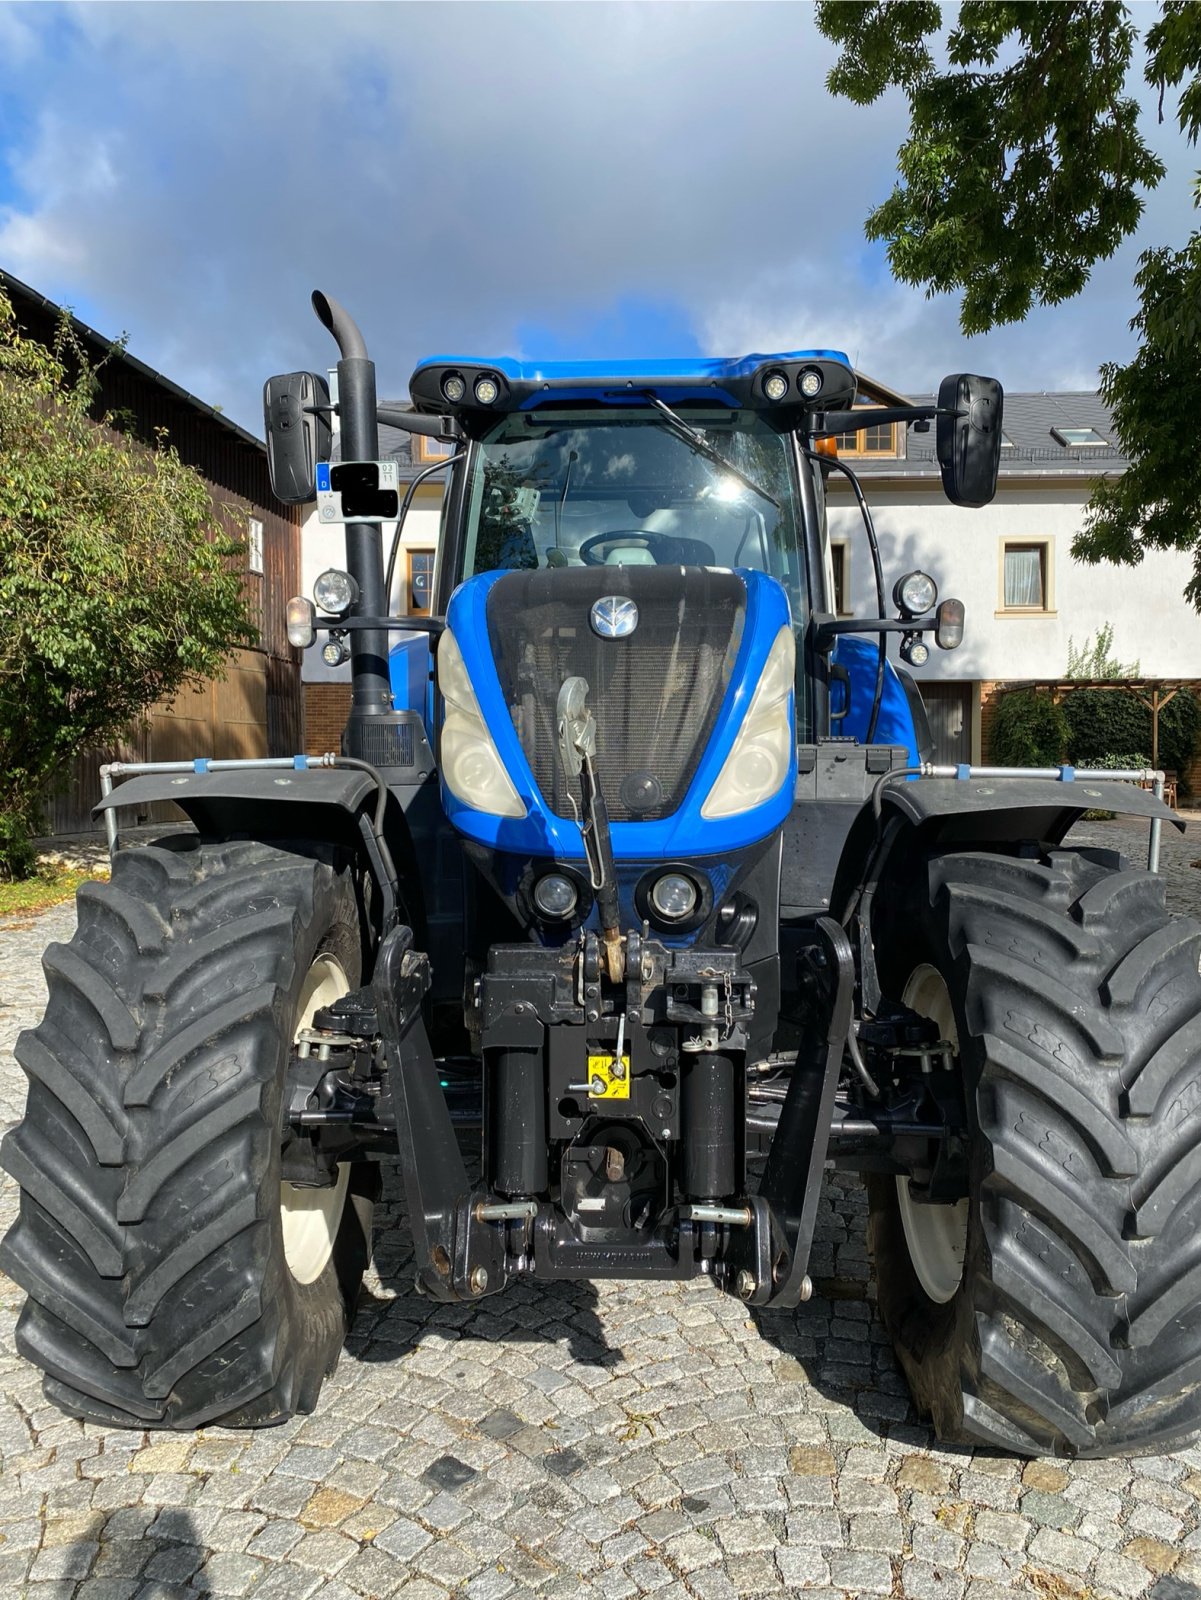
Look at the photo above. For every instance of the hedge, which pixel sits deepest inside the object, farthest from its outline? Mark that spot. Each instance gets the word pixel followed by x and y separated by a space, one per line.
pixel 1088 725
pixel 1103 720
pixel 1029 730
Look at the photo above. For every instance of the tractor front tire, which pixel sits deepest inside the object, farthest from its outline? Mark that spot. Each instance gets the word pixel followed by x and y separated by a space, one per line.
pixel 172 1281
pixel 1057 1311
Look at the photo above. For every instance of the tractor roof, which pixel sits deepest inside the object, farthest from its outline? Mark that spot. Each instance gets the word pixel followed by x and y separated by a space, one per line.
pixel 442 383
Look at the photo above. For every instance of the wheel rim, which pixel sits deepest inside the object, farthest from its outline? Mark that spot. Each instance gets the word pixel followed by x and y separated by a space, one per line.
pixel 311 1217
pixel 936 1235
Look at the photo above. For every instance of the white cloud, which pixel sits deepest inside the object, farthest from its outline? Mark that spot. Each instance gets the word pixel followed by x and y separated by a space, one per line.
pixel 456 173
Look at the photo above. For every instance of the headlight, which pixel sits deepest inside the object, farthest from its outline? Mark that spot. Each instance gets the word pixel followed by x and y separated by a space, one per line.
pixel 674 896
pixel 471 766
pixel 335 591
pixel 299 618
pixel 555 895
pixel 915 593
pixel 758 764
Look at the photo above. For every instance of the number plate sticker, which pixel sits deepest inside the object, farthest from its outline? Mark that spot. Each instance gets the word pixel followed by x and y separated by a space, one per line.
pixel 608 1078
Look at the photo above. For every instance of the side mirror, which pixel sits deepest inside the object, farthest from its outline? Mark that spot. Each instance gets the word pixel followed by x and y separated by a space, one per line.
pixel 296 415
pixel 969 438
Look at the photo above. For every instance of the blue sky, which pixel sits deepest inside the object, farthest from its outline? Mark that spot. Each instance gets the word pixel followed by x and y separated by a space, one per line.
pixel 539 180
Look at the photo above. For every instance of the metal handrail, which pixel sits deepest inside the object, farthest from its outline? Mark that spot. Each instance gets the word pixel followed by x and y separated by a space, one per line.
pixel 1069 774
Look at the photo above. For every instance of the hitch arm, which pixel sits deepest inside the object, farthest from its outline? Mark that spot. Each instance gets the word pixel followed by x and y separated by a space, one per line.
pixel 458 1256
pixel 775 1253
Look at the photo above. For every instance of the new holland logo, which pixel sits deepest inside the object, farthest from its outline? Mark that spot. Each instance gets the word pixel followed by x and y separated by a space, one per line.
pixel 614 616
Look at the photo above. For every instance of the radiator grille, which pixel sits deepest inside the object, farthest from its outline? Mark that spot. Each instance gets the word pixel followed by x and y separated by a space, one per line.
pixel 655 694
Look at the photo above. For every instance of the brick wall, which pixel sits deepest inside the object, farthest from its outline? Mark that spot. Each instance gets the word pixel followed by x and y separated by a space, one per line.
pixel 326 708
pixel 989 701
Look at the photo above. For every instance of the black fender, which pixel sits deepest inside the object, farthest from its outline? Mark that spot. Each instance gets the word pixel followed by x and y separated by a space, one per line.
pixel 975 813
pixel 335 804
pixel 953 811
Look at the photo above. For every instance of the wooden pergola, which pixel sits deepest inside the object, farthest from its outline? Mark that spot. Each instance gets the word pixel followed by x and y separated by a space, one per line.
pixel 1154 693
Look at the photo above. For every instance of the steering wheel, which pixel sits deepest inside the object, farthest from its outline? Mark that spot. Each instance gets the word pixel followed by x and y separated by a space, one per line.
pixel 666 549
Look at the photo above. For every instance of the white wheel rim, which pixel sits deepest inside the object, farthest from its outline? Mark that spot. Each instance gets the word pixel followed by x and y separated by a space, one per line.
pixel 311 1217
pixel 936 1235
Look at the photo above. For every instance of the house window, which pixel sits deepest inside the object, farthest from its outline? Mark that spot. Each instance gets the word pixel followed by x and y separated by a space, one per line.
pixel 878 440
pixel 254 545
pixel 426 449
pixel 421 582
pixel 838 561
pixel 1026 576
pixel 1076 438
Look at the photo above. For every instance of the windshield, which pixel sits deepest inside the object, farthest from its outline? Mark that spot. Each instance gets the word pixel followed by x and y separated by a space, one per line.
pixel 614 488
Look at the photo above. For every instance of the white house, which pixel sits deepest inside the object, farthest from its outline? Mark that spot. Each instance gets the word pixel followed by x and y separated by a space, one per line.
pixel 1009 562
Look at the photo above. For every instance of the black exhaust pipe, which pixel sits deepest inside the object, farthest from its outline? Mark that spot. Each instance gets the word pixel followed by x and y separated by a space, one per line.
pixel 371 694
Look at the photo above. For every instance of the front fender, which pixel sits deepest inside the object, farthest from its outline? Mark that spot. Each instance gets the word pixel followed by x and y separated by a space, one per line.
pixel 982 812
pixel 333 805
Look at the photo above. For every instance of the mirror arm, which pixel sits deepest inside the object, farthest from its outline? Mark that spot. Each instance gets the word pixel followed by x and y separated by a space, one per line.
pixel 431 427
pixel 826 631
pixel 824 422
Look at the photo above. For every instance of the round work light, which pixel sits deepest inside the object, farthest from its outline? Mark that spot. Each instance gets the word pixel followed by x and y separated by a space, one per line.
pixel 453 388
pixel 334 652
pixel 335 591
pixel 775 385
pixel 810 382
pixel 486 391
pixel 555 895
pixel 674 896
pixel 915 593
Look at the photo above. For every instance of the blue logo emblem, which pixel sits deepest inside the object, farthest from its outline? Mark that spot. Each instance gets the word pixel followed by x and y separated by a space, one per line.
pixel 614 616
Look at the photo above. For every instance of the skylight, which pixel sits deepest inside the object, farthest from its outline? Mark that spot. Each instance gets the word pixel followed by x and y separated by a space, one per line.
pixel 1074 438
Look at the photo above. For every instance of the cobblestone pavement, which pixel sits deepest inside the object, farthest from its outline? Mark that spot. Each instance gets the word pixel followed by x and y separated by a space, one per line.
pixel 613 1440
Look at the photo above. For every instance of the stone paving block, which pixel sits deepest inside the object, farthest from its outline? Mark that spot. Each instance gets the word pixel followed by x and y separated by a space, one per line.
pixel 860 1573
pixel 922 1580
pixel 228 1573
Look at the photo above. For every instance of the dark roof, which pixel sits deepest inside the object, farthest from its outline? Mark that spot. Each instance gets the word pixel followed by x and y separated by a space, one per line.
pixel 1032 450
pixel 36 314
pixel 1028 420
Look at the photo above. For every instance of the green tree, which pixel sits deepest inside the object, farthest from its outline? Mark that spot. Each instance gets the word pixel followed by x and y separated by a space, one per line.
pixel 117 586
pixel 1023 167
pixel 1093 659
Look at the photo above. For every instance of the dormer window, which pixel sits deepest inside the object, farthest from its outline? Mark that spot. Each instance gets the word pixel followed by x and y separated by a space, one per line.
pixel 1077 438
pixel 878 440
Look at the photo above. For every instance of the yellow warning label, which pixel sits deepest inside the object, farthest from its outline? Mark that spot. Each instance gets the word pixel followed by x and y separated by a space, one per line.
pixel 608 1078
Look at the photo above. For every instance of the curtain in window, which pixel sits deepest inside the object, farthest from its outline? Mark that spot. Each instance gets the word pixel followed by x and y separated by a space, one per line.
pixel 1024 576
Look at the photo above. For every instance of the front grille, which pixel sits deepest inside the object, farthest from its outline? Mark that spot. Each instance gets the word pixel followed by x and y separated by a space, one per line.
pixel 655 694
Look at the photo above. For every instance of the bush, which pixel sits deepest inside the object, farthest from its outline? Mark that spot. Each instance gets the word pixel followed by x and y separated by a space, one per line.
pixel 17 855
pixel 1030 730
pixel 1103 720
pixel 118 585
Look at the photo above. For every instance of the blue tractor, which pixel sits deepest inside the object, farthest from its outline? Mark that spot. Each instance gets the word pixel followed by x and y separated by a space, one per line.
pixel 634 859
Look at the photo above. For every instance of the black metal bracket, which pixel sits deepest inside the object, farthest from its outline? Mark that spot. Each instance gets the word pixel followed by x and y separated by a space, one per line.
pixel 767 1263
pixel 458 1257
